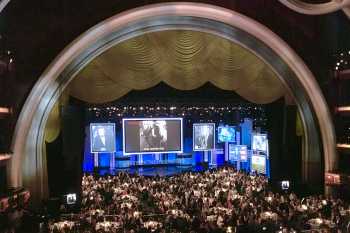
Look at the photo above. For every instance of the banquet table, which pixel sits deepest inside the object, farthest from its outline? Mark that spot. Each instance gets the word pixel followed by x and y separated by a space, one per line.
pixel 107 226
pixel 152 225
pixel 62 226
pixel 317 223
pixel 269 215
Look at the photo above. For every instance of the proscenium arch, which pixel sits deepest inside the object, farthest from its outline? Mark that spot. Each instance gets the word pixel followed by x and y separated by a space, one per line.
pixel 29 132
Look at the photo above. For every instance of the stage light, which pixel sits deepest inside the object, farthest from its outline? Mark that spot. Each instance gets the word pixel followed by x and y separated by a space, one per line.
pixel 345 146
pixel 4 157
pixel 343 109
pixel 5 110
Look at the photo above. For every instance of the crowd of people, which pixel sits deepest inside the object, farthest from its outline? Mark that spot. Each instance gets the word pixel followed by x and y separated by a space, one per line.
pixel 220 200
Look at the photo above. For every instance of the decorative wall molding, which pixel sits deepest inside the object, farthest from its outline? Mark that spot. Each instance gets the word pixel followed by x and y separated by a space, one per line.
pixel 3 4
pixel 28 164
pixel 318 9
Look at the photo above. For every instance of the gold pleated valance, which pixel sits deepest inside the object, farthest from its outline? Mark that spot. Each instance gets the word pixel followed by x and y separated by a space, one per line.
pixel 184 60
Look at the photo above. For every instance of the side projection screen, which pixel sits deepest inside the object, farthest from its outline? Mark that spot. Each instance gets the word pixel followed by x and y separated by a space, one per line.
pixel 152 135
pixel 260 142
pixel 203 136
pixel 102 136
pixel 226 134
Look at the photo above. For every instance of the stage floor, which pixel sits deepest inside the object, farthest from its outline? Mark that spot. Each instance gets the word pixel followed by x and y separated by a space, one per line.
pixel 155 170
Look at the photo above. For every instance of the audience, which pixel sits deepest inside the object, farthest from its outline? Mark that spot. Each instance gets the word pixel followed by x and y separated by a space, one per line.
pixel 221 200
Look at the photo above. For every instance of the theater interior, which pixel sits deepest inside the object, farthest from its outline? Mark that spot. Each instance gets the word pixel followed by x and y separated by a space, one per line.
pixel 162 116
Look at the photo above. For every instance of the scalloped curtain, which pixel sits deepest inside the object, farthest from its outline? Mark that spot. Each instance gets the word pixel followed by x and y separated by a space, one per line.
pixel 184 60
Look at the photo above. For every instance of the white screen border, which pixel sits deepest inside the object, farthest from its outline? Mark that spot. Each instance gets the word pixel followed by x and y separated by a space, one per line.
pixel 267 144
pixel 91 136
pixel 193 136
pixel 265 163
pixel 154 119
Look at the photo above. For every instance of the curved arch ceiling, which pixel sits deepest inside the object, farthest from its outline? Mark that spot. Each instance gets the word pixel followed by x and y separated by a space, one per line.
pixel 184 60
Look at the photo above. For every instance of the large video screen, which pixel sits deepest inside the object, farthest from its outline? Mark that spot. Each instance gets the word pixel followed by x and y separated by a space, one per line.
pixel 152 135
pixel 226 134
pixel 258 164
pixel 238 152
pixel 260 142
pixel 203 136
pixel 102 136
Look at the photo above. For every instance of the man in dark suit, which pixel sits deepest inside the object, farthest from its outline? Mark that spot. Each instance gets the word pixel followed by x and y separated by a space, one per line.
pixel 102 139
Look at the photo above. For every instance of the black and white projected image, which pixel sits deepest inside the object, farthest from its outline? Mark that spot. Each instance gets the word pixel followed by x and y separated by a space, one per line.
pixel 203 137
pixel 102 138
pixel 153 135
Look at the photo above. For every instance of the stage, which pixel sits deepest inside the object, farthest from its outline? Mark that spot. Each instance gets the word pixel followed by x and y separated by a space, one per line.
pixel 167 139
